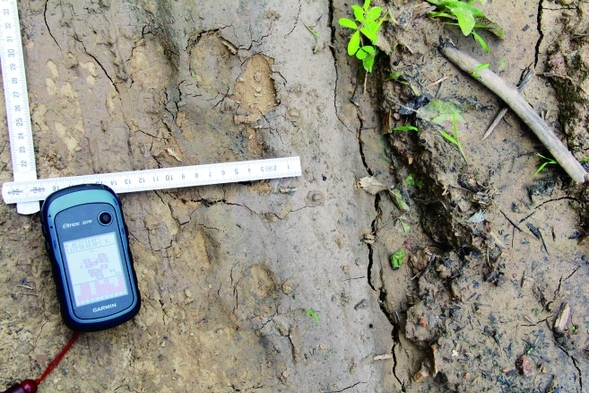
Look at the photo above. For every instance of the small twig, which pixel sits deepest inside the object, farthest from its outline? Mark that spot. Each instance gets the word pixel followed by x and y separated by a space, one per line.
pixel 526 77
pixel 511 222
pixel 522 108
pixel 526 217
pixel 438 81
pixel 536 232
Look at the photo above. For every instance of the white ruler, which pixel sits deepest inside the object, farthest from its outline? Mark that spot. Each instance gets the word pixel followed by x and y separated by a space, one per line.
pixel 26 191
pixel 159 179
pixel 17 100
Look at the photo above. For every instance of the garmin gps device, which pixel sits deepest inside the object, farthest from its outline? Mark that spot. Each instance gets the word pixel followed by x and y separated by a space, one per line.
pixel 86 238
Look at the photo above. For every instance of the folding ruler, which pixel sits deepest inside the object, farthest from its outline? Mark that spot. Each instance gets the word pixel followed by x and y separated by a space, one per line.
pixel 26 190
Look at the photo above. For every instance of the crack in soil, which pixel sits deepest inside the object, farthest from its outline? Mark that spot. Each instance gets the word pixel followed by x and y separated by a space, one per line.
pixel 540 32
pixel 346 388
pixel 578 368
pixel 99 64
pixel 47 24
pixel 380 290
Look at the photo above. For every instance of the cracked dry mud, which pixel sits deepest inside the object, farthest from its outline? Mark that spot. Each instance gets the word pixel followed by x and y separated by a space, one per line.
pixel 228 273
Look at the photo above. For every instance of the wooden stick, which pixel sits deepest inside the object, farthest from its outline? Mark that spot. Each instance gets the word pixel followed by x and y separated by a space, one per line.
pixel 526 77
pixel 520 106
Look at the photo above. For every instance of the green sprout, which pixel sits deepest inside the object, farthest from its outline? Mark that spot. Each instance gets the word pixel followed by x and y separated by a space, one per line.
pixel 313 315
pixel 396 259
pixel 367 24
pixel 311 29
pixel 478 68
pixel 395 75
pixel 547 161
pixel 413 181
pixel 406 128
pixel 467 17
pixel 399 200
pixel 454 138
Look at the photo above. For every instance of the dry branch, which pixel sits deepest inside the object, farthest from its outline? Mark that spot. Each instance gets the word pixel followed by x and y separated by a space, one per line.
pixel 520 106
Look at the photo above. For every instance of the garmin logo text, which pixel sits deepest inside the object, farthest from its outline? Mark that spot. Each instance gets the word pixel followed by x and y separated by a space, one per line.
pixel 105 307
pixel 70 224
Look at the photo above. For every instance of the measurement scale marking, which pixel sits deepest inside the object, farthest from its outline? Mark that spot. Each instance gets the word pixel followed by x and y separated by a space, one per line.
pixel 159 179
pixel 17 100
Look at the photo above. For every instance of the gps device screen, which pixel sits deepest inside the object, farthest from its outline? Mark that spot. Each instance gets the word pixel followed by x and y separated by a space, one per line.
pixel 87 241
pixel 95 269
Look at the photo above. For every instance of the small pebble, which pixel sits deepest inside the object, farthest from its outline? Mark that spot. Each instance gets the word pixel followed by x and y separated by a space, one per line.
pixel 524 366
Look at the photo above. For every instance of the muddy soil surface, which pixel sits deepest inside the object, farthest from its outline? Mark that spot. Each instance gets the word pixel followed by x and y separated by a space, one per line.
pixel 286 285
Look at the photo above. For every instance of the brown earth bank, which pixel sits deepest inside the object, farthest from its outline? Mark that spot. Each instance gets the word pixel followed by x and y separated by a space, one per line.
pixel 286 285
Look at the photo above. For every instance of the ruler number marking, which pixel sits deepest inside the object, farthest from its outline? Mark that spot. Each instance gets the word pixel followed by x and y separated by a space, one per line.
pixel 155 179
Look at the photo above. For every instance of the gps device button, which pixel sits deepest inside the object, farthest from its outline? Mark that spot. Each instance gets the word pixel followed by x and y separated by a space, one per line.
pixel 105 218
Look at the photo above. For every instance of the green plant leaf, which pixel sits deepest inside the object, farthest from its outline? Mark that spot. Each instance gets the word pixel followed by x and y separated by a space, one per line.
pixel 354 43
pixel 485 23
pixel 406 128
pixel 540 168
pixel 480 40
pixel 350 24
pixel 374 13
pixel 478 68
pixel 367 24
pixel 547 161
pixel 456 4
pixel 410 180
pixel 449 138
pixel 465 19
pixel 463 12
pixel 395 75
pixel 399 200
pixel 413 181
pixel 396 259
pixel 370 34
pixel 435 14
pixel 358 13
pixel 439 111
pixel 458 144
pixel 368 62
pixel 313 315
